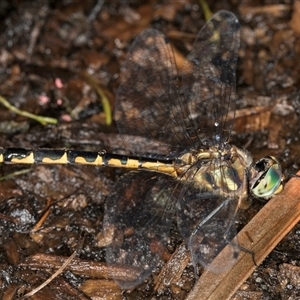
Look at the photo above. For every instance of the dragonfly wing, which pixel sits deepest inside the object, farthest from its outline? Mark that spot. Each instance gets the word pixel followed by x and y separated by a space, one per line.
pixel 210 79
pixel 137 221
pixel 153 102
pixel 147 89
pixel 206 221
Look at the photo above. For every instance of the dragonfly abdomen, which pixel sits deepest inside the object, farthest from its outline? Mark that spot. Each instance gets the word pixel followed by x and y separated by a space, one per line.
pixel 103 159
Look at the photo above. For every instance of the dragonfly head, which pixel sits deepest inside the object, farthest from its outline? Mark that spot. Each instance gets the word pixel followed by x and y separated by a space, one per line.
pixel 266 177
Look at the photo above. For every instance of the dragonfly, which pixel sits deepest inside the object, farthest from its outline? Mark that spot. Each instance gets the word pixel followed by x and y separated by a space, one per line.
pixel 200 181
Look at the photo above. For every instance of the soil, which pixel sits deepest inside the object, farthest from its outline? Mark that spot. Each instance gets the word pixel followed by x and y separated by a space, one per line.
pixel 47 48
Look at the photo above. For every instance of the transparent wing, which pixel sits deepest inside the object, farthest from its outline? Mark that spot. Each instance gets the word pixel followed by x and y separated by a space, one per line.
pixel 206 221
pixel 153 102
pixel 186 112
pixel 209 86
pixel 148 103
pixel 137 219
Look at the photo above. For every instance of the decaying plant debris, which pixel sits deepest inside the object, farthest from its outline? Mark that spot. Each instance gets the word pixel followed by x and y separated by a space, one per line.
pixel 45 48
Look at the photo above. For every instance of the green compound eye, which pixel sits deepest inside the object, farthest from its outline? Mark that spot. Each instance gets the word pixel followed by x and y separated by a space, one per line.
pixel 267 181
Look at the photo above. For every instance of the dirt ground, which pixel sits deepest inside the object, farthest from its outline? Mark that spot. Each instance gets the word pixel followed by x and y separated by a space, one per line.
pixel 51 54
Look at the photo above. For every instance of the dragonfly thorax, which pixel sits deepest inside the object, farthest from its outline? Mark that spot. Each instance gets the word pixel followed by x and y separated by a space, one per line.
pixel 232 171
pixel 222 171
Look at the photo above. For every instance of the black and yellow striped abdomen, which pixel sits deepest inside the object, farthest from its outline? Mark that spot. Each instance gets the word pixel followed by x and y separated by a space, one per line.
pixel 102 159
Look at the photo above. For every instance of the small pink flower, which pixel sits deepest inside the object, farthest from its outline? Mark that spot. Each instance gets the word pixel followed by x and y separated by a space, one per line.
pixel 58 83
